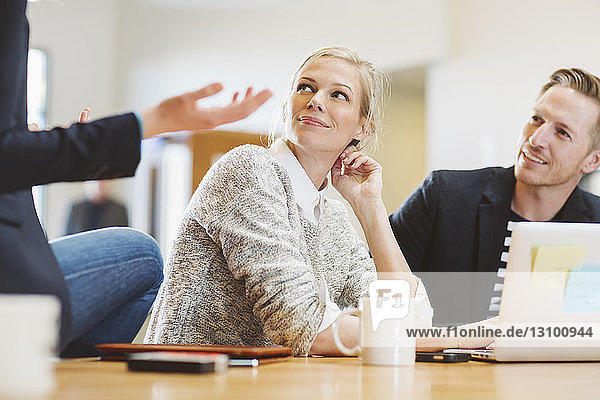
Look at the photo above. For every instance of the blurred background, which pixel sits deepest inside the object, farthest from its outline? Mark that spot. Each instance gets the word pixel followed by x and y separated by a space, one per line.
pixel 465 75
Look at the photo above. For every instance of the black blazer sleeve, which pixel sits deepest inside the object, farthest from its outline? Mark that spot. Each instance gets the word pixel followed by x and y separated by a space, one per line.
pixel 106 148
pixel 414 222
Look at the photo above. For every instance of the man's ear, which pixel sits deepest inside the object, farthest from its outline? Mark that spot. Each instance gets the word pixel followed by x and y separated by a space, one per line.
pixel 592 161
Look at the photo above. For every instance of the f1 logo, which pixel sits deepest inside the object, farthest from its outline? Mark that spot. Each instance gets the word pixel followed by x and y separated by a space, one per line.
pixel 389 299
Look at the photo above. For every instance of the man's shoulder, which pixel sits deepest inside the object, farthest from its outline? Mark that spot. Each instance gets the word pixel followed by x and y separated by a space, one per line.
pixel 472 173
pixel 592 202
pixel 590 197
pixel 470 178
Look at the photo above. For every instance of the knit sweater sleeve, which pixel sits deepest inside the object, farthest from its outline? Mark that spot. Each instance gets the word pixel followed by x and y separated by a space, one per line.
pixel 361 269
pixel 245 207
pixel 362 272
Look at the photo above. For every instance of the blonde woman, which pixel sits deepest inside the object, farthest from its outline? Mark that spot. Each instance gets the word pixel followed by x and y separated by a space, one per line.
pixel 261 256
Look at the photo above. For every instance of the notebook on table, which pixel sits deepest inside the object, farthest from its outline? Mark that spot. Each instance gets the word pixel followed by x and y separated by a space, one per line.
pixel 238 355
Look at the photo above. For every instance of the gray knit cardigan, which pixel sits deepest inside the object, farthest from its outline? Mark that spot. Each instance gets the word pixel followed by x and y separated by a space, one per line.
pixel 246 266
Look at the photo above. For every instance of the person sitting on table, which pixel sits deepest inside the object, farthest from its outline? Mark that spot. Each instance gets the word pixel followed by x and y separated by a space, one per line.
pixel 458 221
pixel 261 256
pixel 107 279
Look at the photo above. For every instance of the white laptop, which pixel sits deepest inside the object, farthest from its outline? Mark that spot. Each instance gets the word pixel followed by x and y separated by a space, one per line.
pixel 555 304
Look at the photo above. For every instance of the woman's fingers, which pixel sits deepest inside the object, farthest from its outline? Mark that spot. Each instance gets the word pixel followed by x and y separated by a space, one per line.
pixel 248 94
pixel 358 161
pixel 350 156
pixel 206 91
pixel 348 150
pixel 338 168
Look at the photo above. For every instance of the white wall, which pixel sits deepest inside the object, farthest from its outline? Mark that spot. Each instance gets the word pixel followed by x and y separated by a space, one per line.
pixel 486 59
pixel 119 55
pixel 500 54
pixel 80 38
pixel 166 51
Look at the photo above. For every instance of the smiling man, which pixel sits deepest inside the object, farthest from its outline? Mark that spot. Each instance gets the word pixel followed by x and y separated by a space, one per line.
pixel 459 220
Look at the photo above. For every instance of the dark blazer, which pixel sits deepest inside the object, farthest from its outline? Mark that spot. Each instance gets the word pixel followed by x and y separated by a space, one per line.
pixel 456 220
pixel 106 148
pixel 108 213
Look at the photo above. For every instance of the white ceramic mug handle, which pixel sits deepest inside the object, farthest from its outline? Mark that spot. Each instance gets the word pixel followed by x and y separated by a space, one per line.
pixel 345 350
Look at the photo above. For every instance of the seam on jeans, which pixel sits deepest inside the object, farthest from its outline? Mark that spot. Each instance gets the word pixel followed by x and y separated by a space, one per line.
pixel 75 275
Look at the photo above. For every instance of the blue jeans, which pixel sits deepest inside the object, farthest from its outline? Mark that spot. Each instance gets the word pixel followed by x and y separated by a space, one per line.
pixel 113 276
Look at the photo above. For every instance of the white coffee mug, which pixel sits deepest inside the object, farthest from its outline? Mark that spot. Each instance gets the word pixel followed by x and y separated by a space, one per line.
pixel 28 341
pixel 384 339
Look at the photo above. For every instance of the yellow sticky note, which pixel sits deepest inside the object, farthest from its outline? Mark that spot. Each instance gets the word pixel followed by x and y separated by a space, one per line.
pixel 551 265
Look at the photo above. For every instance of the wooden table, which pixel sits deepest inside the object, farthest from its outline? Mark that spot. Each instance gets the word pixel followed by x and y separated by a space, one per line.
pixel 327 378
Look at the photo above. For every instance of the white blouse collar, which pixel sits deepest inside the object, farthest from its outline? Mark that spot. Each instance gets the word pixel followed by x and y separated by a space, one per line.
pixel 308 198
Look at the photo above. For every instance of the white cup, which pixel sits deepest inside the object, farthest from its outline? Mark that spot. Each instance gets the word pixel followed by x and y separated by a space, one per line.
pixel 383 335
pixel 28 341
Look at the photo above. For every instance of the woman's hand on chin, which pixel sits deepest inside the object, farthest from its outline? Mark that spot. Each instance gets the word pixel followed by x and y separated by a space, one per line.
pixel 357 177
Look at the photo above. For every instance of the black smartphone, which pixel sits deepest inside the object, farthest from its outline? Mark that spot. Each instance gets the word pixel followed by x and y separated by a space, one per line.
pixel 164 361
pixel 441 357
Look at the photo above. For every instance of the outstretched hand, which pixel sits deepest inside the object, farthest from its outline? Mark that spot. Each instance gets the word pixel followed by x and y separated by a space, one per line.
pixel 357 177
pixel 183 112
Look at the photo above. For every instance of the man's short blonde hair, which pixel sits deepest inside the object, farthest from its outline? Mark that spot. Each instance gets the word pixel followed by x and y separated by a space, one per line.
pixel 583 82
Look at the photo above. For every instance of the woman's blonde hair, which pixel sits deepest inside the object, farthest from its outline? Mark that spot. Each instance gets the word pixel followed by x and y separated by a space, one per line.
pixel 375 85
